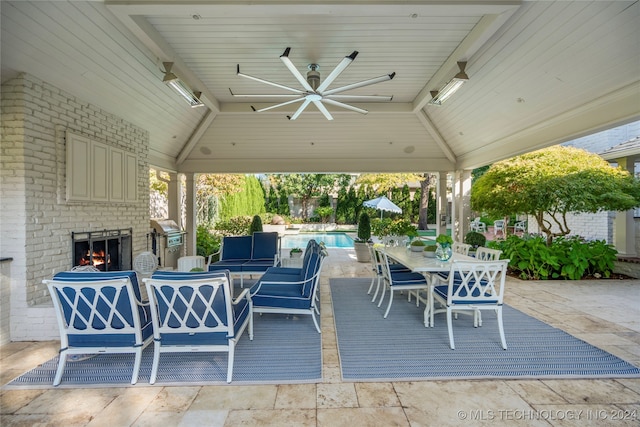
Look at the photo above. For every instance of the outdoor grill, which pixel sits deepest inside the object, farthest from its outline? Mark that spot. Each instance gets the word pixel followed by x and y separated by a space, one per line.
pixel 167 242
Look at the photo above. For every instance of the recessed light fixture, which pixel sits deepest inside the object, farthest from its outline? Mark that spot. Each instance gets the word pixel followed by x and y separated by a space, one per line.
pixel 205 150
pixel 409 149
pixel 414 15
pixel 196 17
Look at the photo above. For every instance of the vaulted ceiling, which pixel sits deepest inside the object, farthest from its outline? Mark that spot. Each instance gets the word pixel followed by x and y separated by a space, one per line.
pixel 540 73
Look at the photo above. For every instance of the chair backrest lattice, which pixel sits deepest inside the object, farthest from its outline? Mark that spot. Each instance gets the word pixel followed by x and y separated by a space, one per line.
pixel 461 248
pixel 488 254
pixel 199 305
pixel 477 282
pixel 96 307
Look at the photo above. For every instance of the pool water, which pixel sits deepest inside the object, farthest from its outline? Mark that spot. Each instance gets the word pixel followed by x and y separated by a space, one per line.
pixel 331 240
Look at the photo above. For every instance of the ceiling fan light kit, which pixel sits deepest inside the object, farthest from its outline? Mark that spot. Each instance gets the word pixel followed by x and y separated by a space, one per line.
pixel 452 86
pixel 171 80
pixel 315 92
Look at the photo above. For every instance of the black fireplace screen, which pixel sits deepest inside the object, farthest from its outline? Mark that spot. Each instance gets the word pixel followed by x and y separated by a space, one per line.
pixel 106 250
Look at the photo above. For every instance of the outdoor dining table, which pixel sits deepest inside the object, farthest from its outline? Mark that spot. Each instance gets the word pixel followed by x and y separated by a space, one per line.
pixel 418 263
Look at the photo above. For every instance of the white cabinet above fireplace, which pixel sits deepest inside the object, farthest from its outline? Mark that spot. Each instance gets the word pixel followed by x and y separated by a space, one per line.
pixel 97 172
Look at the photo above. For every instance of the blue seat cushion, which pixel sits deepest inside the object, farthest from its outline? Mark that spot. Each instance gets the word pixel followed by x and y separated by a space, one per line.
pixel 402 278
pixel 280 296
pixel 275 276
pixel 110 340
pixel 292 271
pixel 308 271
pixel 234 266
pixel 189 275
pixel 257 265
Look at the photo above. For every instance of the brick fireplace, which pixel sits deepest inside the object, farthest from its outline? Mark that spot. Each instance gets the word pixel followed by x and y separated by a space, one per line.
pixel 37 217
pixel 106 250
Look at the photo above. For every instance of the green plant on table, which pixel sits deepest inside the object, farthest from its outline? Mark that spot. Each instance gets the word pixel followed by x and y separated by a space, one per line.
pixel 418 242
pixel 443 239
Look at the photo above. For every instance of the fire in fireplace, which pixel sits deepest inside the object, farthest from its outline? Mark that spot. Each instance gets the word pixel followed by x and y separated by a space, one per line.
pixel 106 250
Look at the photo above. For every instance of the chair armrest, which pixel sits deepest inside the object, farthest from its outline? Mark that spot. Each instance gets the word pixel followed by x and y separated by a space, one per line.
pixel 297 282
pixel 210 257
pixel 242 296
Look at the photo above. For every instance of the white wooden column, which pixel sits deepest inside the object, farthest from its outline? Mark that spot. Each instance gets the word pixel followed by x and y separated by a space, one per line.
pixel 624 225
pixel 441 203
pixel 463 199
pixel 174 197
pixel 190 214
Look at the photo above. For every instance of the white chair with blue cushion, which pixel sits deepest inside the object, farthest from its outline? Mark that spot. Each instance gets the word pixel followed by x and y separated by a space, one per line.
pixel 289 291
pixel 520 226
pixel 378 278
pixel 399 281
pixel 478 226
pixel 499 226
pixel 100 312
pixel 473 286
pixel 195 312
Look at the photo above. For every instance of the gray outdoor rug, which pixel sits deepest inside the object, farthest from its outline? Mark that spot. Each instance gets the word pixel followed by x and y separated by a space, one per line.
pixel 285 349
pixel 401 348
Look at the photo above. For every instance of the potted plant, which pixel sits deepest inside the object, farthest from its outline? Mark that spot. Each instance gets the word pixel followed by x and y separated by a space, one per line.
pixel 295 253
pixel 429 251
pixel 443 251
pixel 417 245
pixel 361 243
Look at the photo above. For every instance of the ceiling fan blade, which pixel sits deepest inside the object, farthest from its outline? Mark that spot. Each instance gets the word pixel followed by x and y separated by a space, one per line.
pixel 361 84
pixel 300 110
pixel 277 105
pixel 287 62
pixel 360 97
pixel 343 105
pixel 323 109
pixel 257 79
pixel 346 61
pixel 247 95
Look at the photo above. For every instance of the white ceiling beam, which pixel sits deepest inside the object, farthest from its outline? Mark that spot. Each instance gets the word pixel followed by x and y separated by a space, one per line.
pixel 435 134
pixel 195 137
pixel 317 165
pixel 371 107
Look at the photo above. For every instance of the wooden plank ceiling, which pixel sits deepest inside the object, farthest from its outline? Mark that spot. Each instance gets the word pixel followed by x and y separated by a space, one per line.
pixel 540 73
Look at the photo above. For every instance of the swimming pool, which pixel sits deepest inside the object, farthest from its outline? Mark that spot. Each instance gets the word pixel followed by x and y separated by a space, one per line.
pixel 331 240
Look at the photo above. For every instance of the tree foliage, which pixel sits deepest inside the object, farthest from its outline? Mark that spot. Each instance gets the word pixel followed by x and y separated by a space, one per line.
pixel 305 186
pixel 550 183
pixel 385 182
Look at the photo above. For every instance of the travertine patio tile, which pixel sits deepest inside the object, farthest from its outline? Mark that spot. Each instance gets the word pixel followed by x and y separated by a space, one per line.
pixel 209 418
pixel 173 399
pixel 162 418
pixel 235 397
pixel 370 417
pixel 535 392
pixel 125 408
pixel 339 395
pixel 13 400
pixel 376 395
pixel 61 402
pixel 275 417
pixel 593 391
pixel 446 403
pixel 296 396
pixel 582 415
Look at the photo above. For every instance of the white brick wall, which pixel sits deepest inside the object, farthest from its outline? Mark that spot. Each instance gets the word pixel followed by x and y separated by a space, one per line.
pixel 590 226
pixel 36 221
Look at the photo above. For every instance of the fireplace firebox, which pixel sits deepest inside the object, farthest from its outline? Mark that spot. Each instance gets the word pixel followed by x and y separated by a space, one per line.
pixel 106 250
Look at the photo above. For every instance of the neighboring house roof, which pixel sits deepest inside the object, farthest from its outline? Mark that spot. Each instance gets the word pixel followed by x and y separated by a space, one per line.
pixel 625 149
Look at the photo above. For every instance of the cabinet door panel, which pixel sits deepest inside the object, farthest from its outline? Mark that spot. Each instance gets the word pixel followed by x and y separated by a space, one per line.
pixel 99 172
pixel 78 154
pixel 117 177
pixel 131 178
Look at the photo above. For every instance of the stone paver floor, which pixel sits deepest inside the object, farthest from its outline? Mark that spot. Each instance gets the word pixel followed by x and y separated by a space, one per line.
pixel 603 313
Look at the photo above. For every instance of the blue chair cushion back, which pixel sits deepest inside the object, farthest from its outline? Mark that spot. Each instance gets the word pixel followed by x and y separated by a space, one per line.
pixel 83 276
pixel 265 245
pixel 236 247
pixel 309 269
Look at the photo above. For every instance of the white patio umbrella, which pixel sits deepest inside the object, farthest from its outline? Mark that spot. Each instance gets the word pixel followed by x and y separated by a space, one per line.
pixel 382 204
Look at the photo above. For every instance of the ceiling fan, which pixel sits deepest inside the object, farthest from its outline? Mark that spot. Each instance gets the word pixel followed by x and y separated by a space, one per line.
pixel 316 92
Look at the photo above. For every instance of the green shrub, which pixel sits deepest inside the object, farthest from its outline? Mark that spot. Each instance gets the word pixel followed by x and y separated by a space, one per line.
pixel 324 212
pixel 364 228
pixel 567 258
pixel 475 239
pixel 256 224
pixel 418 242
pixel 206 241
pixel 235 226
